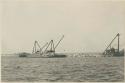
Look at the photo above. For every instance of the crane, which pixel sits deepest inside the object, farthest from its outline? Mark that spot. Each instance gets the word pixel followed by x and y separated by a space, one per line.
pixel 109 49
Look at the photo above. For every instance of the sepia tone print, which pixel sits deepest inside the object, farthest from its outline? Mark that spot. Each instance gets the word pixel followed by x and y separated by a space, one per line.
pixel 62 41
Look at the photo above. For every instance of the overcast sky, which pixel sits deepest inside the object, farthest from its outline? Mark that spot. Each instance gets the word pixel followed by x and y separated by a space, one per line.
pixel 88 26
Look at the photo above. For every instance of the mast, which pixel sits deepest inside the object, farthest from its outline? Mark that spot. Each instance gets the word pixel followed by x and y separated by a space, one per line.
pixel 118 41
pixel 35 47
pixel 43 47
pixel 59 42
pixel 111 43
pixel 47 47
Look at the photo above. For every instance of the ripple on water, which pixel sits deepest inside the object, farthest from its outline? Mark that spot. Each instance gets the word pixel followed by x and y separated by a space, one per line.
pixel 78 69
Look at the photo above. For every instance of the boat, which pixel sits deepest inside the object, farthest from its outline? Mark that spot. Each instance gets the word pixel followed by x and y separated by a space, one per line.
pixel 49 51
pixel 115 52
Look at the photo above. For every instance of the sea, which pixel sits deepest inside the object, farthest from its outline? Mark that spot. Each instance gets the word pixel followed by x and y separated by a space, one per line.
pixel 68 69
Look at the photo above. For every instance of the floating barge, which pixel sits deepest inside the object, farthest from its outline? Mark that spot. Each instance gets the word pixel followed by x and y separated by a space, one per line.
pixel 111 51
pixel 49 51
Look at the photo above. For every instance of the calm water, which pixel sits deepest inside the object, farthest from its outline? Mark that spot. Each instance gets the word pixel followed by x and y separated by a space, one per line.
pixel 70 69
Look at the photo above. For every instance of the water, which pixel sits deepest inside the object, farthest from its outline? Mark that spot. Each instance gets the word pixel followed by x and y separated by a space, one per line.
pixel 70 69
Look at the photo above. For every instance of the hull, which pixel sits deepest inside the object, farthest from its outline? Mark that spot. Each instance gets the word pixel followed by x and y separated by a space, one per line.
pixel 45 56
pixel 116 54
pixel 121 53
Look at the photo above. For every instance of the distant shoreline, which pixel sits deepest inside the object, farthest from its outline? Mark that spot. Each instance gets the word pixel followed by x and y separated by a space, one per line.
pixel 61 52
pixel 69 54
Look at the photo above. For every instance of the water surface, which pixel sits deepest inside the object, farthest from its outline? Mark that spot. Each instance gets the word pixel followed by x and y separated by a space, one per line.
pixel 70 69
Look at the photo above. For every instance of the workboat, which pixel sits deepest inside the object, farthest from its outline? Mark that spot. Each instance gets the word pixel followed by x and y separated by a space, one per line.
pixel 111 51
pixel 47 53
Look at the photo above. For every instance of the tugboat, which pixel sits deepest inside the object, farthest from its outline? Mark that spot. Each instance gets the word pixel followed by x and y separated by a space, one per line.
pixel 111 51
pixel 49 51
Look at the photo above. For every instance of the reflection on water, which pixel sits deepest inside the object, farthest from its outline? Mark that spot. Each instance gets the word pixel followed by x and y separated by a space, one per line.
pixel 70 69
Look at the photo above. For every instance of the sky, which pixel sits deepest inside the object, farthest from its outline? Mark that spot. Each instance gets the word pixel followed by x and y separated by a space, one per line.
pixel 87 26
